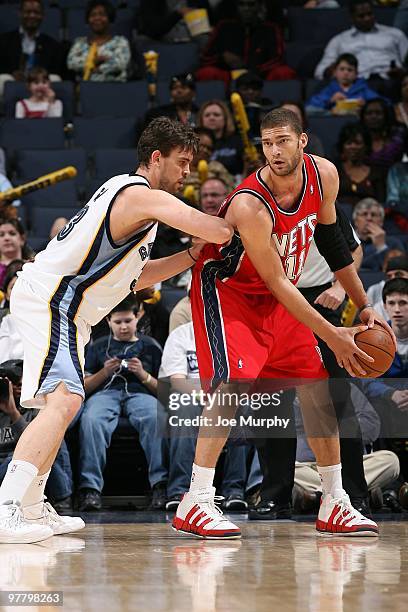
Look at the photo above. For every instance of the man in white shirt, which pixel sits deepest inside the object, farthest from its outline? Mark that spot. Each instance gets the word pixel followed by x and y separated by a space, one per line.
pixel 381 50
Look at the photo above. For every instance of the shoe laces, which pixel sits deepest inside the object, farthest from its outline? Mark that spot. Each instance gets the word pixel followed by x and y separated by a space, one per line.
pixel 346 508
pixel 212 510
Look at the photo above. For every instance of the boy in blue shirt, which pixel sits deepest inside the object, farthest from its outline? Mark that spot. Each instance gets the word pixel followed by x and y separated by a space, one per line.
pixel 344 86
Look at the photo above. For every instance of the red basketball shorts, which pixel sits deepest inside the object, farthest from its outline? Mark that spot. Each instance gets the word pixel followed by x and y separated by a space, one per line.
pixel 244 336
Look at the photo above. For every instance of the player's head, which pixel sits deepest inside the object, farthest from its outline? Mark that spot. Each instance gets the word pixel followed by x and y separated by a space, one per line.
pixel 345 69
pixel 283 141
pixel 122 320
pixel 166 149
pixel 362 14
pixel 395 298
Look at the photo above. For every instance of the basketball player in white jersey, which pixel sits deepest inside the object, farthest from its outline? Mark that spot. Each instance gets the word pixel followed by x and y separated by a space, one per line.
pixel 89 267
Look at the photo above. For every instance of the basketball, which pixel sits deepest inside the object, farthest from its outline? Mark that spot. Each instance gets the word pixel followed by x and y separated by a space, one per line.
pixel 376 342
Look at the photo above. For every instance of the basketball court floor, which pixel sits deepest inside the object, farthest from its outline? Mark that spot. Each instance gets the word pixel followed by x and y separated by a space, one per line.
pixel 133 561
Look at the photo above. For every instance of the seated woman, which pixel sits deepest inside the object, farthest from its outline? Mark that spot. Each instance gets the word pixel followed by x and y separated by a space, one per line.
pixel 388 138
pixel 100 56
pixel 358 179
pixel 215 115
pixel 401 108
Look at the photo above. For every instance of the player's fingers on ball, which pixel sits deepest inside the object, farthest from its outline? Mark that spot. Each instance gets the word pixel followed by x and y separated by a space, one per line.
pixel 357 367
pixel 348 367
pixel 364 355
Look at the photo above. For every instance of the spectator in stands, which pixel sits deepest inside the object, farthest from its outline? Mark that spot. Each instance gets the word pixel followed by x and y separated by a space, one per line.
pixel 314 145
pixel 388 139
pixel 390 393
pixel 12 244
pixel 181 313
pixel 381 50
pixel 152 317
pixel 121 377
pixel 215 115
pixel 13 421
pixel 397 195
pixel 179 364
pixel 4 181
pixel 249 86
pixel 312 4
pixel 8 284
pixel 246 42
pixel 164 20
pixel 100 56
pixel 22 49
pixel 182 106
pixel 358 179
pixel 368 219
pixel 42 102
pixel 214 169
pixel 401 108
pixel 394 267
pixel 346 93
pixel 212 194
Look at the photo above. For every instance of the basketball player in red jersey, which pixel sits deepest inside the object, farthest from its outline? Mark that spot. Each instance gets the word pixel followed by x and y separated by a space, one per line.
pixel 250 321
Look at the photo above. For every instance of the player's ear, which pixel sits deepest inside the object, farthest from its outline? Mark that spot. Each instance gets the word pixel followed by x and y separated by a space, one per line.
pixel 304 139
pixel 156 156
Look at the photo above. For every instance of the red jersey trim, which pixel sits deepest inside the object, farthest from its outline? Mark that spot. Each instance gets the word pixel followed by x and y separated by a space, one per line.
pixel 299 203
pixel 319 180
pixel 257 195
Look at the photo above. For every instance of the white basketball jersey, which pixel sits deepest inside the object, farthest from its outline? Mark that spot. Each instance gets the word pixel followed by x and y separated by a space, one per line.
pixel 83 272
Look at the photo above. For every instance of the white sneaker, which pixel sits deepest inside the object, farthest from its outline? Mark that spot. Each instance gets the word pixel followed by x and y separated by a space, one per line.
pixel 43 513
pixel 14 529
pixel 198 515
pixel 338 517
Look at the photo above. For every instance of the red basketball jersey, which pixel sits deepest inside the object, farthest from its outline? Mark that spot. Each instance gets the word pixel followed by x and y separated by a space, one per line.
pixel 292 232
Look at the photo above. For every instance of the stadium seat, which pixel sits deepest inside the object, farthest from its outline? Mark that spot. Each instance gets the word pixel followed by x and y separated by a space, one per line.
pixel 205 90
pixel 312 87
pixel 77 26
pixel 328 129
pixel 318 25
pixel 18 134
pixel 369 278
pixel 174 58
pixel 41 219
pixel 61 195
pixel 31 164
pixel 113 99
pixel 9 20
pixel 94 134
pixel 15 90
pixel 281 91
pixel 303 58
pixel 170 296
pixel 109 162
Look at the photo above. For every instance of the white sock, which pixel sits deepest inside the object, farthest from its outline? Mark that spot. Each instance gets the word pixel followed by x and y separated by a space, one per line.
pixel 201 477
pixel 18 478
pixel 330 476
pixel 35 492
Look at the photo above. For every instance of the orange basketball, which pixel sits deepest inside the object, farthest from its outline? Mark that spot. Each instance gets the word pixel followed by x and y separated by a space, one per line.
pixel 376 342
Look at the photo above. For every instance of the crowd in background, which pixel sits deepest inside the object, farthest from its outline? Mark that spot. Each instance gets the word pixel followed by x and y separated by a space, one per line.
pixel 361 77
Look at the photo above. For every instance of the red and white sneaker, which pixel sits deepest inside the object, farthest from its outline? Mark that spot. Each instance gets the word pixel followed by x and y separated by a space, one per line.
pixel 338 517
pixel 197 515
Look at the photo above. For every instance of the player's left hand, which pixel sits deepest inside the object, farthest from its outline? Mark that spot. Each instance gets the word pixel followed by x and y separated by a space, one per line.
pixel 196 246
pixel 136 367
pixel 332 297
pixel 369 316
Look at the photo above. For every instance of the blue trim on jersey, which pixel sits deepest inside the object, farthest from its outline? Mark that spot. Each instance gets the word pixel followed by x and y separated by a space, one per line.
pixel 221 269
pixel 65 303
pixel 108 212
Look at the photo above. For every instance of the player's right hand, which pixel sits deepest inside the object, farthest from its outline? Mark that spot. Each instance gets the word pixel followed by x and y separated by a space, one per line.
pixel 111 365
pixel 343 346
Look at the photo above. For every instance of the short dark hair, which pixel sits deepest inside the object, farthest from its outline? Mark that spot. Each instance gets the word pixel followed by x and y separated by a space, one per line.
pixel 353 4
pixel 395 285
pixel 279 117
pixel 109 9
pixel 349 132
pixel 13 370
pixel 349 58
pixel 129 303
pixel 203 131
pixel 40 2
pixel 164 134
pixel 38 72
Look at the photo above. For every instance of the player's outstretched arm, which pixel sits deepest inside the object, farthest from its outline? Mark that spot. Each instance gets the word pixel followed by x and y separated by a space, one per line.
pixel 162 206
pixel 255 228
